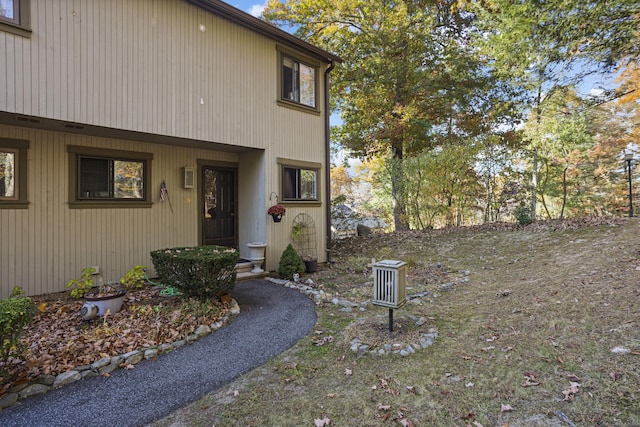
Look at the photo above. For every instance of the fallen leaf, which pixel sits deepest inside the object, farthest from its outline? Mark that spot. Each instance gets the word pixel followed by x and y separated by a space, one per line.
pixel 236 393
pixel 570 393
pixel 331 395
pixel 477 424
pixel 615 375
pixel 348 371
pixel 322 422
pixel 412 389
pixel 469 384
pixel 382 407
pixel 129 366
pixel 506 408
pixel 573 378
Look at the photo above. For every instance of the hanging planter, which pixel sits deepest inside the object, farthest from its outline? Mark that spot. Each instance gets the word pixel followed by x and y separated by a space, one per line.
pixel 276 212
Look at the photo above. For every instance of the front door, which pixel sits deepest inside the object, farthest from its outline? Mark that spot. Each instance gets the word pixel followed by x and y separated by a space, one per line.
pixel 219 206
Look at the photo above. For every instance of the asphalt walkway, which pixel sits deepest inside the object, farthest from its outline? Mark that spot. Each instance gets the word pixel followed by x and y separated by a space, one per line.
pixel 272 319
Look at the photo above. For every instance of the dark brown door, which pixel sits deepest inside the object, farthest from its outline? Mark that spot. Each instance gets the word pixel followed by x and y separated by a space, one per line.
pixel 219 206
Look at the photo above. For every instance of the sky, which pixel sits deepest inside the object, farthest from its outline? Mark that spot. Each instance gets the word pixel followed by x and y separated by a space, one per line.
pixel 252 7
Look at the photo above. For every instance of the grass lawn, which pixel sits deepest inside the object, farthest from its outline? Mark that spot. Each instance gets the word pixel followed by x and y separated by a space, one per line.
pixel 526 321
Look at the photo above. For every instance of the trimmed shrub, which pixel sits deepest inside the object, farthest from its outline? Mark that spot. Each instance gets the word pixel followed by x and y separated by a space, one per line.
pixel 16 312
pixel 290 263
pixel 202 272
pixel 523 215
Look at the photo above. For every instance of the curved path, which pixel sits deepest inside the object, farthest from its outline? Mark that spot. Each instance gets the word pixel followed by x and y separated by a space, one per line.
pixel 272 319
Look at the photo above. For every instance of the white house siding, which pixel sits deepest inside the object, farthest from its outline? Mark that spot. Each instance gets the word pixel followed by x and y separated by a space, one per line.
pixel 162 67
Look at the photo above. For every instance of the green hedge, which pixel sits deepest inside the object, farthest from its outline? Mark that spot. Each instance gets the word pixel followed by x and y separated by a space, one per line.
pixel 15 313
pixel 202 271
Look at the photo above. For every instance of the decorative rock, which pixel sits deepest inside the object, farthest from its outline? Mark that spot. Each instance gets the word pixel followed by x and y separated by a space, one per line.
pixel 404 353
pixel 46 379
pixel 192 338
pixel 34 390
pixel 18 388
pixel 66 378
pixel 165 348
pixel 100 363
pixel 203 330
pixel 133 357
pixel 89 374
pixel 107 369
pixel 309 282
pixel 149 354
pixel 216 326
pixel 179 343
pixel 620 350
pixel 8 400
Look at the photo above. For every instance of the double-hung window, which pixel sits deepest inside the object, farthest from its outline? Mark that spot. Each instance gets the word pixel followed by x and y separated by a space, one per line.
pixel 109 176
pixel 13 173
pixel 15 17
pixel 298 81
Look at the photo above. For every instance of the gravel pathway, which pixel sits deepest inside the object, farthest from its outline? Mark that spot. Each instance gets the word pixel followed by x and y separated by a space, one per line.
pixel 272 319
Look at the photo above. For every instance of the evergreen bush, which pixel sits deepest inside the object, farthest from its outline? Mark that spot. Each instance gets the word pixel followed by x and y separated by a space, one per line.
pixel 202 272
pixel 290 263
pixel 523 215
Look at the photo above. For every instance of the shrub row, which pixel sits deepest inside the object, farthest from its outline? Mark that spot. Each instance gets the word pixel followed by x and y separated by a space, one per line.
pixel 15 313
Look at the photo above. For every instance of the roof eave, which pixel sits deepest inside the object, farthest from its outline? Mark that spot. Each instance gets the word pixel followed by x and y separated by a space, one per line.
pixel 259 26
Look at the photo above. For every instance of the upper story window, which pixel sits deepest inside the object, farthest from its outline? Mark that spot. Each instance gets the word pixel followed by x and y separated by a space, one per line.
pixel 109 177
pixel 298 81
pixel 13 173
pixel 15 17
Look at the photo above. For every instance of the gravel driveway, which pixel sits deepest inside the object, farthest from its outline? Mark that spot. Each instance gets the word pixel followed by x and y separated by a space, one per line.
pixel 272 319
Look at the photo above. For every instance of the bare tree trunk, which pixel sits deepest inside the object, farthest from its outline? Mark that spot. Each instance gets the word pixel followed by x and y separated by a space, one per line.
pixel 397 188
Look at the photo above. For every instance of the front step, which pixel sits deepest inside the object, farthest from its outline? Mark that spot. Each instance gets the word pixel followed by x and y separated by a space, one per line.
pixel 243 271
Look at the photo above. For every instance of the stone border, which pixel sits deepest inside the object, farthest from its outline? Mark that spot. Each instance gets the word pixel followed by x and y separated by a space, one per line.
pixel 356 346
pixel 106 365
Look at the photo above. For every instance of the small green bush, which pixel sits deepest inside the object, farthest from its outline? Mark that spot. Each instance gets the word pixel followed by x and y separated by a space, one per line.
pixel 16 312
pixel 80 287
pixel 523 215
pixel 134 278
pixel 201 272
pixel 290 263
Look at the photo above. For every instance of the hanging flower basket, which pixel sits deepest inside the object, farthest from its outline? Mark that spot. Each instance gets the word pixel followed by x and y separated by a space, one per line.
pixel 276 212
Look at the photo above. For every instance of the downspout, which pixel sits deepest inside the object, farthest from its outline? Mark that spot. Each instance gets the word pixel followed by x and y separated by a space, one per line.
pixel 327 158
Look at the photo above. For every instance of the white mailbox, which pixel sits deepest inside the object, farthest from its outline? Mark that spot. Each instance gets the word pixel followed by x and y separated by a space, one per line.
pixel 389 283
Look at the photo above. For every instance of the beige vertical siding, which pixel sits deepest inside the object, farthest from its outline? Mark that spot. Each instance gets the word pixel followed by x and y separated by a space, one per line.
pixel 47 244
pixel 160 67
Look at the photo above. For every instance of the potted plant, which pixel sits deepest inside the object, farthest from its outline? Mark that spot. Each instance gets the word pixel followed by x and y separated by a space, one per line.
pixel 276 212
pixel 310 263
pixel 107 298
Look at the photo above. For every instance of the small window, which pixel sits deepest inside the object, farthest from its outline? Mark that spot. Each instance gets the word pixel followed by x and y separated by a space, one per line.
pixel 109 176
pixel 298 82
pixel 299 184
pixel 14 16
pixel 13 173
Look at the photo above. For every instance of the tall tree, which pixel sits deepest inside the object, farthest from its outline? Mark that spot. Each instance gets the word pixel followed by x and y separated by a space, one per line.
pixel 408 80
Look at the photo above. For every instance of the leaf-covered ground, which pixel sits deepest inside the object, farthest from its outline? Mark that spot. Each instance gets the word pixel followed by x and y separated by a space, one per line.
pixel 537 326
pixel 58 340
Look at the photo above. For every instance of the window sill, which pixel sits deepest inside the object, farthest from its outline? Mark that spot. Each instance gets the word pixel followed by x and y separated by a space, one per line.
pixel 15 29
pixel 8 204
pixel 306 203
pixel 102 204
pixel 299 107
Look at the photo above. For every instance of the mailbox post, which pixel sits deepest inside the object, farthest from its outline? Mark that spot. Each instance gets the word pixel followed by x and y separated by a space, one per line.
pixel 389 286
